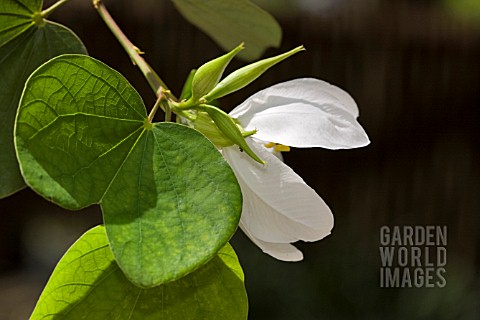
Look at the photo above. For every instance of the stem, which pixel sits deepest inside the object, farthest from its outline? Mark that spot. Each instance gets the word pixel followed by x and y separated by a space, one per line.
pixel 168 111
pixel 45 13
pixel 159 101
pixel 153 79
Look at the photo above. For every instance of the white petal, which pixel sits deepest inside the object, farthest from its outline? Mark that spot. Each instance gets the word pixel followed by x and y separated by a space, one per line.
pixel 303 113
pixel 278 206
pixel 280 251
pixel 308 89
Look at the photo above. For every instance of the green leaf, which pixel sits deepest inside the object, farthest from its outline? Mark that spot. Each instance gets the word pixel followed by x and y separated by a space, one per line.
pixel 23 47
pixel 88 284
pixel 230 22
pixel 16 17
pixel 169 199
pixel 187 86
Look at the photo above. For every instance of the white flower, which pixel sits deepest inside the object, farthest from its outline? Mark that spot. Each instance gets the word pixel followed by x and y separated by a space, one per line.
pixel 279 208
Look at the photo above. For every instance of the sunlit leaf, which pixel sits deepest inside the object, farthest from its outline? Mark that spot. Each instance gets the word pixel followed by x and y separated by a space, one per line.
pixel 468 10
pixel 88 284
pixel 24 46
pixel 230 22
pixel 169 199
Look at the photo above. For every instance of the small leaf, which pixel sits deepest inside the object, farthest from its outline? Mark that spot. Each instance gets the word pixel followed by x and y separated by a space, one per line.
pixel 169 199
pixel 230 22
pixel 88 284
pixel 24 46
pixel 187 86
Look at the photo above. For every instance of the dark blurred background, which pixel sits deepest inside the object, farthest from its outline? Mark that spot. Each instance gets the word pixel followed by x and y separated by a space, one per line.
pixel 414 69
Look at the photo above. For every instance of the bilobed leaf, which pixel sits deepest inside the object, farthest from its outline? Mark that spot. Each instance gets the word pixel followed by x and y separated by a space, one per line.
pixel 24 46
pixel 16 17
pixel 230 22
pixel 169 199
pixel 88 284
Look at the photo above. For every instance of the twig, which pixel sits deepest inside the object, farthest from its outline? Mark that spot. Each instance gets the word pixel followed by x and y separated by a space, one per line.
pixel 153 79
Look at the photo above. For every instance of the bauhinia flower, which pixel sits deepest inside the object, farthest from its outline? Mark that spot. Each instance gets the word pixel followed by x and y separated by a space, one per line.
pixel 279 208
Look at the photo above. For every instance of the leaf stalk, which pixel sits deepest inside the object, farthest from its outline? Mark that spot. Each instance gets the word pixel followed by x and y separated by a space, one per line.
pixel 45 13
pixel 158 103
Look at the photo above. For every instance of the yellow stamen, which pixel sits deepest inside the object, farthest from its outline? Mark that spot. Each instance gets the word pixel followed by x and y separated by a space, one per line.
pixel 277 147
pixel 282 148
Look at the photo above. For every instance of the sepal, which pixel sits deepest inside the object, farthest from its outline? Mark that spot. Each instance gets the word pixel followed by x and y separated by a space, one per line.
pixel 230 129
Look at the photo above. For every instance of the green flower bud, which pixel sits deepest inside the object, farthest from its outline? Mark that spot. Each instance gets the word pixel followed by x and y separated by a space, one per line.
pixel 208 75
pixel 205 125
pixel 244 76
pixel 230 129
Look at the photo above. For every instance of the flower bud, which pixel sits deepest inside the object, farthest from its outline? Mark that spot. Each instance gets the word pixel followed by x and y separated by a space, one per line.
pixel 205 125
pixel 244 76
pixel 208 75
pixel 230 129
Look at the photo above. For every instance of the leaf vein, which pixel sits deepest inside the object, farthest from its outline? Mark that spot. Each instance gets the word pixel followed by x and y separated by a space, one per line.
pixel 105 83
pixel 121 165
